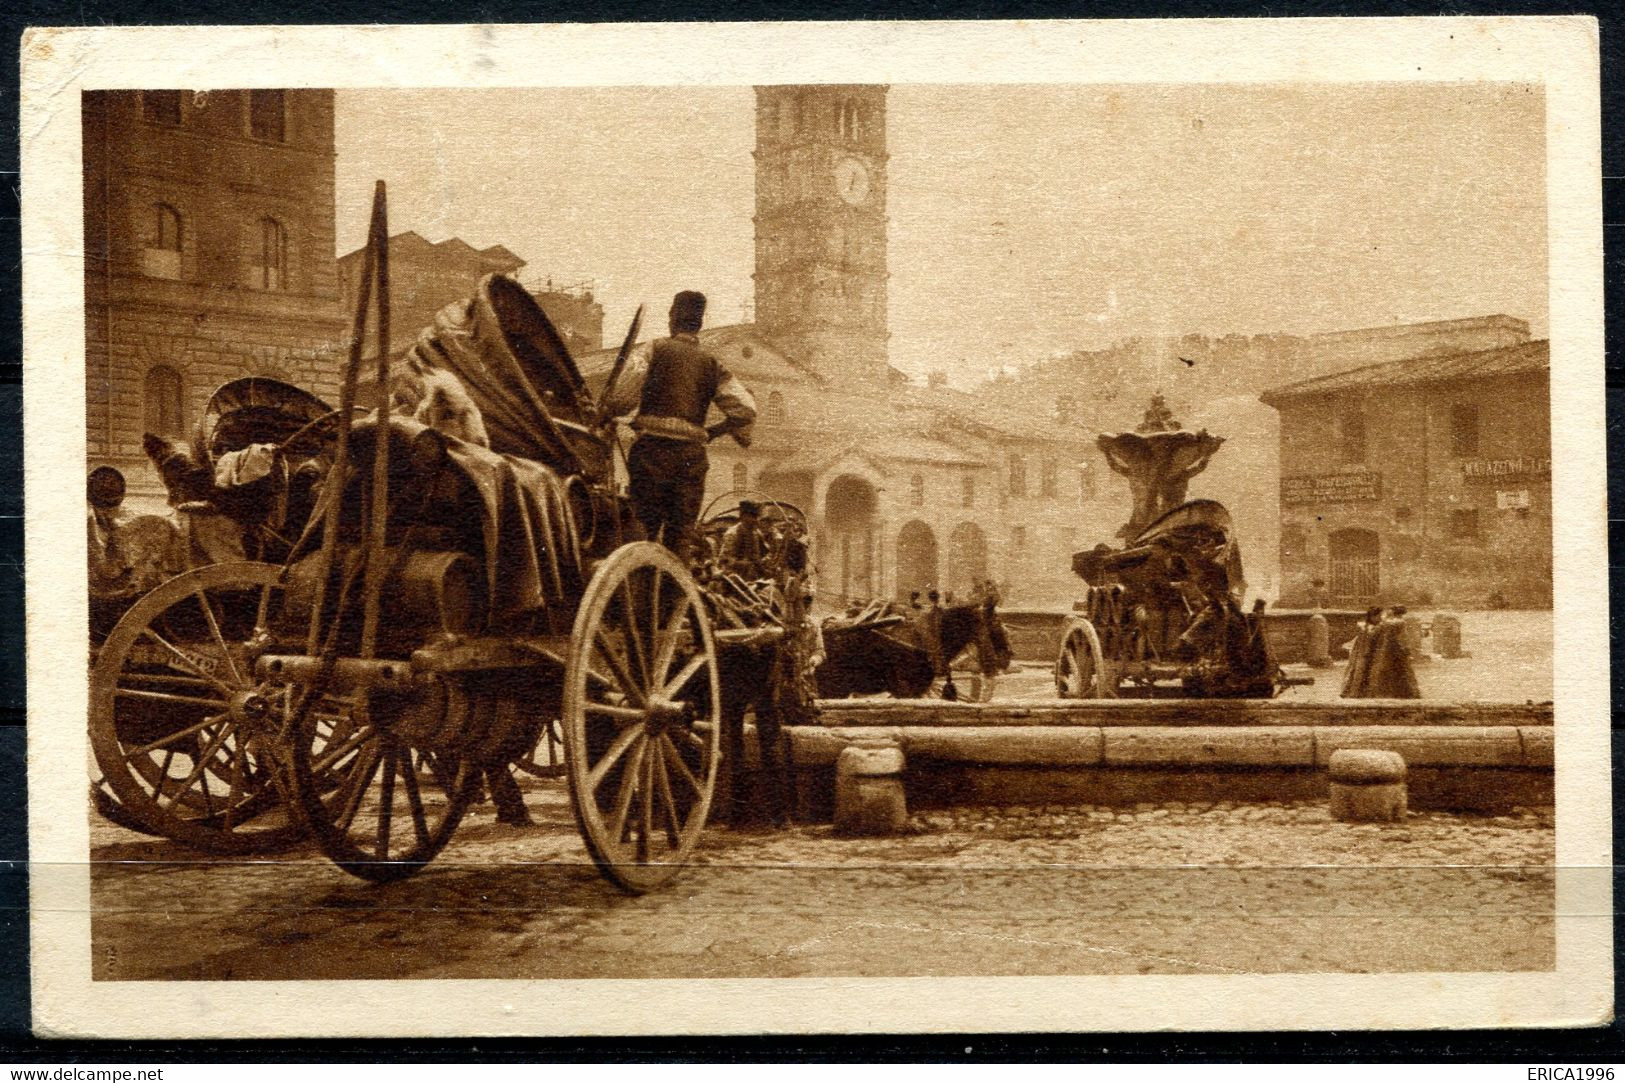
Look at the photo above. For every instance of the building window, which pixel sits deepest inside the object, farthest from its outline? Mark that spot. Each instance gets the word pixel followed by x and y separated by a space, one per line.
pixel 1018 476
pixel 161 257
pixel 1018 539
pixel 268 115
pixel 161 106
pixel 1464 430
pixel 1086 485
pixel 916 489
pixel 850 121
pixel 775 407
pixel 269 267
pixel 967 491
pixel 1351 436
pixel 163 401
pixel 1464 524
pixel 1046 478
pixel 741 475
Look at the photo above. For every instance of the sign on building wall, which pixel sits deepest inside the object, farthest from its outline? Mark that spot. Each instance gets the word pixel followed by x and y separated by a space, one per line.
pixel 1332 488
pixel 1514 498
pixel 1497 469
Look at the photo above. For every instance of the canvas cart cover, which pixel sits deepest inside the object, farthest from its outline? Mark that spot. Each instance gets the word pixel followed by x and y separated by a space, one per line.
pixel 255 410
pixel 513 364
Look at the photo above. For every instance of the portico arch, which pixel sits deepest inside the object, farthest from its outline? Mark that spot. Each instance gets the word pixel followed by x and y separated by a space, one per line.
pixel 849 518
pixel 916 558
pixel 967 559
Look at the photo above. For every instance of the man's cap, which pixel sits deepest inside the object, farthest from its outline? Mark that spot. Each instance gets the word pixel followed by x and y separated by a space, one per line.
pixel 688 307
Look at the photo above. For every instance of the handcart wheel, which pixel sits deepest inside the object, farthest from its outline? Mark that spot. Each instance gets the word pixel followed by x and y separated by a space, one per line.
pixel 377 807
pixel 1080 669
pixel 642 716
pixel 165 719
pixel 545 759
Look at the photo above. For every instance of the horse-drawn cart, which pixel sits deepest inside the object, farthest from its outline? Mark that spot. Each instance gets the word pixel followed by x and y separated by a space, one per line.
pixel 1167 607
pixel 443 607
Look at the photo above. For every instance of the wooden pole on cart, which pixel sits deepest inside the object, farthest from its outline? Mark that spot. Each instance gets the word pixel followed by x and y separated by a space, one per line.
pixel 333 490
pixel 374 555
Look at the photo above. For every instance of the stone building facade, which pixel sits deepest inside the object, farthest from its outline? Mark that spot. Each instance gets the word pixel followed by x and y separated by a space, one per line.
pixel 1424 481
pixel 907 487
pixel 208 256
pixel 426 276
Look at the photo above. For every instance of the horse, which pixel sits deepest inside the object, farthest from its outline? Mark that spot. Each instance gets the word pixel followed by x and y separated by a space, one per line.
pixel 906 658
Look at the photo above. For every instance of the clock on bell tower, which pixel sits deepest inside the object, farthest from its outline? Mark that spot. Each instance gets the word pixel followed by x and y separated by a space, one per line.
pixel 821 225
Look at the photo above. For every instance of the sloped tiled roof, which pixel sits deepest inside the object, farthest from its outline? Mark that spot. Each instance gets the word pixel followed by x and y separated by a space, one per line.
pixel 1479 364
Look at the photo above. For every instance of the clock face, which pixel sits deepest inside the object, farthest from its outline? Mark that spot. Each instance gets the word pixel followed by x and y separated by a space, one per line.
pixel 852 181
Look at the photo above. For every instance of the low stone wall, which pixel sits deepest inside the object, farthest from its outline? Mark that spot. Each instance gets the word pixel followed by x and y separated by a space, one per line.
pixel 1181 713
pixel 1485 757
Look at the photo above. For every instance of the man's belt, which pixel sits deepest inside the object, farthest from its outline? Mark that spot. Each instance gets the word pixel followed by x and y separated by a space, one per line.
pixel 669 428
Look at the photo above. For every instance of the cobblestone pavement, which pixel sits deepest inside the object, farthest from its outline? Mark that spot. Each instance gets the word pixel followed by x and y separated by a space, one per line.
pixel 1153 889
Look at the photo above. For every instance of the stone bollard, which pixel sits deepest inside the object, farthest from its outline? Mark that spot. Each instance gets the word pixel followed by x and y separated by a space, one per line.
pixel 1411 636
pixel 1367 785
pixel 1319 651
pixel 1447 635
pixel 869 791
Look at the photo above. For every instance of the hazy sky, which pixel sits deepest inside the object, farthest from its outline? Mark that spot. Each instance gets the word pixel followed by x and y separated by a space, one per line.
pixel 1024 220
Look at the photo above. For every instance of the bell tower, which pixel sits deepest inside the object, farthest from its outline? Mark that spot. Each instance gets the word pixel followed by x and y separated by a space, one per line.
pixel 821 226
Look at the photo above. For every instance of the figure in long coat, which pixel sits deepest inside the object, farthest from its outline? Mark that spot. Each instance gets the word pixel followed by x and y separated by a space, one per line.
pixel 1379 662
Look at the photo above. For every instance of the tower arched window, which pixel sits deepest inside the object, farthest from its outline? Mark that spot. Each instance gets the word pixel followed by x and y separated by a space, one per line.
pixel 161 255
pixel 916 489
pixel 269 269
pixel 741 476
pixel 163 401
pixel 775 408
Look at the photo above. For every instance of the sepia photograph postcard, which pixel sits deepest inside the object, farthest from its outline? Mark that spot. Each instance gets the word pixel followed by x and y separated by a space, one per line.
pixel 816 528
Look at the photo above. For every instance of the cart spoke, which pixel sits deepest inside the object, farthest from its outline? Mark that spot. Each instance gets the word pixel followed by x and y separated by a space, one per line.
pixel 646 806
pixel 623 674
pixel 674 830
pixel 363 776
pixel 625 740
pixel 623 799
pixel 420 822
pixel 666 640
pixel 186 663
pixel 684 675
pixel 166 740
pixel 676 760
pixel 168 697
pixel 234 793
pixel 638 650
pixel 200 766
pixel 214 629
pixel 625 715
pixel 386 801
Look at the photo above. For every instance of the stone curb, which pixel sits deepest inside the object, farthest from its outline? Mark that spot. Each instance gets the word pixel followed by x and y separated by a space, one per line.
pixel 1186 746
pixel 1181 712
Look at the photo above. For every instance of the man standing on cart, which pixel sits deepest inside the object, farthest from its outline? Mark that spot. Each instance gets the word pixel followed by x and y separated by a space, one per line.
pixel 668 463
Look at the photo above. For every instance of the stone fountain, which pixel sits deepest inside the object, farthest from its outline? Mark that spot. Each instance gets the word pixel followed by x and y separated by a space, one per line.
pixel 1159 459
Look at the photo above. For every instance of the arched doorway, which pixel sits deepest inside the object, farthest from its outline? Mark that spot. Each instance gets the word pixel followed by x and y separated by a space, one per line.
pixel 916 559
pixel 967 559
pixel 849 517
pixel 1353 576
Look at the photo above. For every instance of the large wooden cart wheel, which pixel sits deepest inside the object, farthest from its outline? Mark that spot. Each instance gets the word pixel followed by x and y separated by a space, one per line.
pixel 166 698
pixel 379 808
pixel 1081 670
pixel 642 716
